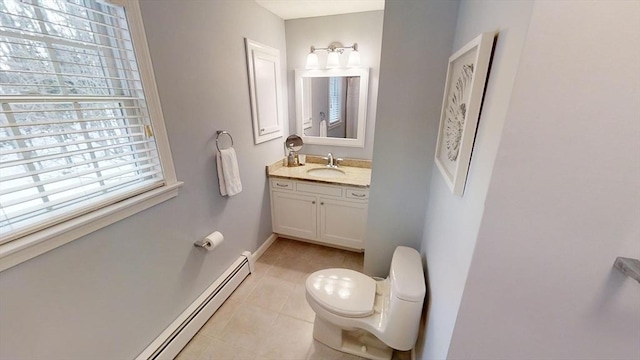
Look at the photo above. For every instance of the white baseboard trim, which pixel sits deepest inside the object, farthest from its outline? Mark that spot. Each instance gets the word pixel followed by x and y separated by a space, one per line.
pixel 171 341
pixel 265 245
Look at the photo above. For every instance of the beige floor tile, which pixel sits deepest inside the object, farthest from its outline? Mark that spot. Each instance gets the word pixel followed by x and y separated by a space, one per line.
pixel 277 247
pixel 297 306
pixel 270 293
pixel 214 326
pixel 220 350
pixel 245 288
pixel 260 269
pixel 354 261
pixel 194 348
pixel 268 257
pixel 299 249
pixel 289 338
pixel 275 250
pixel 327 256
pixel 247 326
pixel 401 355
pixel 289 268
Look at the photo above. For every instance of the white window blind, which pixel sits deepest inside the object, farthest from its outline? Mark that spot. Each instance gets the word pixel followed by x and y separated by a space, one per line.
pixel 75 132
pixel 335 89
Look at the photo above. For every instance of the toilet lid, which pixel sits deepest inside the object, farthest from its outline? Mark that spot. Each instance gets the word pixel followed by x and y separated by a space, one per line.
pixel 342 291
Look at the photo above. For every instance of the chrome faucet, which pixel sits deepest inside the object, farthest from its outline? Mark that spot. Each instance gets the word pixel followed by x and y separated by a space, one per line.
pixel 331 161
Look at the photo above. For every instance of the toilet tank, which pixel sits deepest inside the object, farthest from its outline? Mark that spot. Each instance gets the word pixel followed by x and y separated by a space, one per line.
pixel 406 275
pixel 406 297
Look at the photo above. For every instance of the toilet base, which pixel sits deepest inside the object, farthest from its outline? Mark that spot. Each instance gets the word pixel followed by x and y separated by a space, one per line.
pixel 355 342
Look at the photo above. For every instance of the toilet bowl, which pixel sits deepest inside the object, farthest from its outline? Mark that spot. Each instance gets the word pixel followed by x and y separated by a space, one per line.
pixel 369 317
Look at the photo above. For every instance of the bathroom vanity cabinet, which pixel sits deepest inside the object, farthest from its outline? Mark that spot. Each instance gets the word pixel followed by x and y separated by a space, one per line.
pixel 331 214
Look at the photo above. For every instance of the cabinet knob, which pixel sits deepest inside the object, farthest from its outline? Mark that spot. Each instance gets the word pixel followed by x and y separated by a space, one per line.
pixel 321 203
pixel 313 202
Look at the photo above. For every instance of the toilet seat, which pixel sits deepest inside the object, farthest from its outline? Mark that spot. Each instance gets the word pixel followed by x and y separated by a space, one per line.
pixel 343 292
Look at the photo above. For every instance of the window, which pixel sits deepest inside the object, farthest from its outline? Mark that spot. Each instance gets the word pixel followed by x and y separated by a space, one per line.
pixel 335 101
pixel 80 125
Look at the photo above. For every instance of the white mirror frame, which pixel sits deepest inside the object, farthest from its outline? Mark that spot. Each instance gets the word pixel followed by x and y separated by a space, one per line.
pixel 363 73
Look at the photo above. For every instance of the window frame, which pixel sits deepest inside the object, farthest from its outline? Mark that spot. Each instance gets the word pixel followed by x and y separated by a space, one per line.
pixel 29 246
pixel 336 123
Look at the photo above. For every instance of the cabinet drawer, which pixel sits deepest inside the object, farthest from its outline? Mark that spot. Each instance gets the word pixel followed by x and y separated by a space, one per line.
pixel 319 189
pixel 357 194
pixel 281 184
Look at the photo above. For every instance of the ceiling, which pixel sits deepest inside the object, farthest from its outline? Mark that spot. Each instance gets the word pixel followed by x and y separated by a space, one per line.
pixel 295 9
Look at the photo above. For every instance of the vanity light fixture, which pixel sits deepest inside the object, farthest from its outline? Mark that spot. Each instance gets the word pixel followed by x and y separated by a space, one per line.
pixel 312 59
pixel 333 60
pixel 334 51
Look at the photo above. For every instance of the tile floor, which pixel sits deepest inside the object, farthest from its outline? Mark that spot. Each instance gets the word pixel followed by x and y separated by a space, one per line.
pixel 268 317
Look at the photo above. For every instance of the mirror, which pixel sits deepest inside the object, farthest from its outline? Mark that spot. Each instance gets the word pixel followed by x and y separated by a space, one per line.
pixel 331 106
pixel 294 143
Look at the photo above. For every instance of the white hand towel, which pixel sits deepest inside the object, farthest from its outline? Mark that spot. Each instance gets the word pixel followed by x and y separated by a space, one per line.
pixel 228 173
pixel 323 128
pixel 221 183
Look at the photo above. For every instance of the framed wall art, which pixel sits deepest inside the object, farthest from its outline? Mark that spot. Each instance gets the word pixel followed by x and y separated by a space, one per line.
pixel 464 89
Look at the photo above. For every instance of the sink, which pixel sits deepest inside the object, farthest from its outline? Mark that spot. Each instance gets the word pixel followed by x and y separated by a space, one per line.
pixel 326 172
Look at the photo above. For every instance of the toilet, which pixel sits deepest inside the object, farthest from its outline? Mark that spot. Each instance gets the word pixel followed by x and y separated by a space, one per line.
pixel 369 317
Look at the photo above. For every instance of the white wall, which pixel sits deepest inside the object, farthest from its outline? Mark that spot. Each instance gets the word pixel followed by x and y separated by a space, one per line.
pixel 364 28
pixel 452 222
pixel 416 45
pixel 109 294
pixel 564 198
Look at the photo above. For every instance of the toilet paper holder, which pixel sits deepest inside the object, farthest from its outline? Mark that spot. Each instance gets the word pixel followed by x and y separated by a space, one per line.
pixel 210 242
pixel 205 243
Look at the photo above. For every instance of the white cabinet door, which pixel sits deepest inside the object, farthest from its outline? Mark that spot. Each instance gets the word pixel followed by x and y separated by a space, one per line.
pixel 294 214
pixel 343 222
pixel 265 91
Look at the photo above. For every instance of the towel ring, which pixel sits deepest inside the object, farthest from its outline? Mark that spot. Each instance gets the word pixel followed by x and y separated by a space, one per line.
pixel 223 132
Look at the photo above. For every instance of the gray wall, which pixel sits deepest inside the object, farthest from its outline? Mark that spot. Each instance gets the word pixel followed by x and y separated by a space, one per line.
pixel 109 294
pixel 564 199
pixel 364 28
pixel 451 224
pixel 417 42
pixel 320 103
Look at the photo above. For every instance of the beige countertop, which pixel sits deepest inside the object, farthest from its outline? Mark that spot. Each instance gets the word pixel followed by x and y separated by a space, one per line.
pixel 357 172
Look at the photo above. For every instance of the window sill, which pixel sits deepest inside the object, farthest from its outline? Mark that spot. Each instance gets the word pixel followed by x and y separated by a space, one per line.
pixel 30 246
pixel 334 125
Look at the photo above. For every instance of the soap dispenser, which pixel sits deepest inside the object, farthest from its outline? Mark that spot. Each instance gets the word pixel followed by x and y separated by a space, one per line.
pixel 290 159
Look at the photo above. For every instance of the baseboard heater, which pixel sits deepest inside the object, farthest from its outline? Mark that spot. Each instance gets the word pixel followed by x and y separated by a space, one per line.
pixel 169 343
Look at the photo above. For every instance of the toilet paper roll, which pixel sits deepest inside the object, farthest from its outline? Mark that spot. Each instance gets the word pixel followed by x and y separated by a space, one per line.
pixel 213 240
pixel 210 242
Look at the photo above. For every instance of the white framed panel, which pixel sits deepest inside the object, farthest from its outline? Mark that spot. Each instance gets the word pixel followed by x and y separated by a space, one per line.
pixel 265 89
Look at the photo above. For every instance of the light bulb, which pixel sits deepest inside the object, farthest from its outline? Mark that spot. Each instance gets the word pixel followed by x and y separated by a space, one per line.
pixel 312 61
pixel 354 59
pixel 333 60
